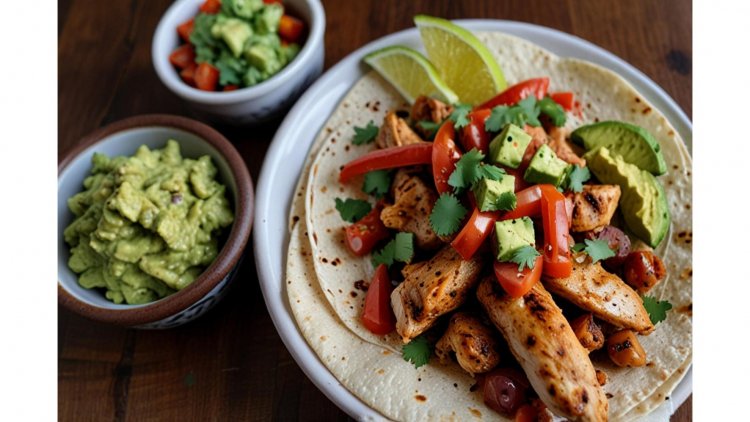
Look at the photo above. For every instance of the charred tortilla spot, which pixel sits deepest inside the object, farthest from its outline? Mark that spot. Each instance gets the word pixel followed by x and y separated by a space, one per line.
pixel 361 285
pixel 530 341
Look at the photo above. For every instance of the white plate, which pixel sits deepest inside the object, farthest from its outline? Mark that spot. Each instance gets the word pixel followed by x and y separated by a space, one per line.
pixel 288 151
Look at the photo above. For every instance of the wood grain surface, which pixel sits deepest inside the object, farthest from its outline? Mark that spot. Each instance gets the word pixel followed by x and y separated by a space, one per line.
pixel 231 364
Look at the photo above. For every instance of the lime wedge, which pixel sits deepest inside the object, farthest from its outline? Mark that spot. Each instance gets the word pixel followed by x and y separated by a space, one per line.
pixel 410 73
pixel 464 63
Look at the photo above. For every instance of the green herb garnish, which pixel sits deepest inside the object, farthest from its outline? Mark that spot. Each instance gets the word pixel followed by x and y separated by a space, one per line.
pixel 525 257
pixel 377 183
pixel 459 115
pixel 365 135
pixel 352 210
pixel 417 351
pixel 657 310
pixel 447 215
pixel 400 248
pixel 470 169
pixel 577 176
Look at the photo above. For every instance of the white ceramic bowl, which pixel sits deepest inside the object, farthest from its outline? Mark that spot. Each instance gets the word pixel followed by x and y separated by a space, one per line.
pixel 255 104
pixel 123 138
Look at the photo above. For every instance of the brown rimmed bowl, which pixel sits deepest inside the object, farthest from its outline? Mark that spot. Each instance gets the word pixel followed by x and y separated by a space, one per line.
pixel 123 138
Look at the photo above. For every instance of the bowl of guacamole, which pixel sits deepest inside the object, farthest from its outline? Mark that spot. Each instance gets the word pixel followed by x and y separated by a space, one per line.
pixel 154 213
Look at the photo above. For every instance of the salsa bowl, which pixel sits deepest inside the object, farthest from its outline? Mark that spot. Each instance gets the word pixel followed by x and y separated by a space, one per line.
pixel 123 138
pixel 251 105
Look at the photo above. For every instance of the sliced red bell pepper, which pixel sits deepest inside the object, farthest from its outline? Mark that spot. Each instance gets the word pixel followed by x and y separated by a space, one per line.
pixel 388 158
pixel 211 7
pixel 363 235
pixel 206 77
pixel 185 29
pixel 291 28
pixel 476 230
pixel 519 91
pixel 377 315
pixel 556 250
pixel 565 99
pixel 518 283
pixel 528 204
pixel 474 134
pixel 230 88
pixel 445 154
pixel 183 56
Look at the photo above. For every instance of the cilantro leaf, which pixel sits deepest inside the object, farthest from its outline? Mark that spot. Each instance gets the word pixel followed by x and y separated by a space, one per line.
pixel 417 351
pixel 498 118
pixel 488 171
pixel 466 169
pixel 598 249
pixel 577 176
pixel 525 257
pixel 657 310
pixel 530 110
pixel 553 110
pixel 459 116
pixel 365 135
pixel 400 248
pixel 525 112
pixel 446 215
pixel 352 210
pixel 377 183
pixel 429 125
pixel 201 37
pixel 578 247
pixel 470 169
pixel 506 202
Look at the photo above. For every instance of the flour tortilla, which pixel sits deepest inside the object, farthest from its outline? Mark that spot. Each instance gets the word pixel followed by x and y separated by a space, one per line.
pixel 604 96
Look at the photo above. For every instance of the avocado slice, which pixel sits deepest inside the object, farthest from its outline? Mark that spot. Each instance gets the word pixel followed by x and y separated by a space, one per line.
pixel 631 142
pixel 643 202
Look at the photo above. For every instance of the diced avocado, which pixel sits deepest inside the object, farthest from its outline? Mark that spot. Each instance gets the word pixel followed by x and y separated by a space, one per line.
pixel 633 143
pixel 509 146
pixel 643 202
pixel 244 8
pixel 487 191
pixel 235 32
pixel 267 21
pixel 512 235
pixel 545 167
pixel 289 52
pixel 264 58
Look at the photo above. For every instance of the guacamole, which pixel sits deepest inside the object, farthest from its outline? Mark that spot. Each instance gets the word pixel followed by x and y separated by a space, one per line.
pixel 146 226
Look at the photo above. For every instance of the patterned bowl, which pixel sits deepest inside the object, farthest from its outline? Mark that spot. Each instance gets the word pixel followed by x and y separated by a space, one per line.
pixel 123 138
pixel 255 104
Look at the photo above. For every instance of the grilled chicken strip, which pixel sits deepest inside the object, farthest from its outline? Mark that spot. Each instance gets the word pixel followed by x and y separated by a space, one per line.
pixel 430 109
pixel 558 142
pixel 594 206
pixel 593 289
pixel 395 132
pixel 542 341
pixel 473 342
pixel 432 289
pixel 411 211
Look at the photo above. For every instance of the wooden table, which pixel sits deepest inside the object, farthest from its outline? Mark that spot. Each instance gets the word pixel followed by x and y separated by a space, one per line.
pixel 231 363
